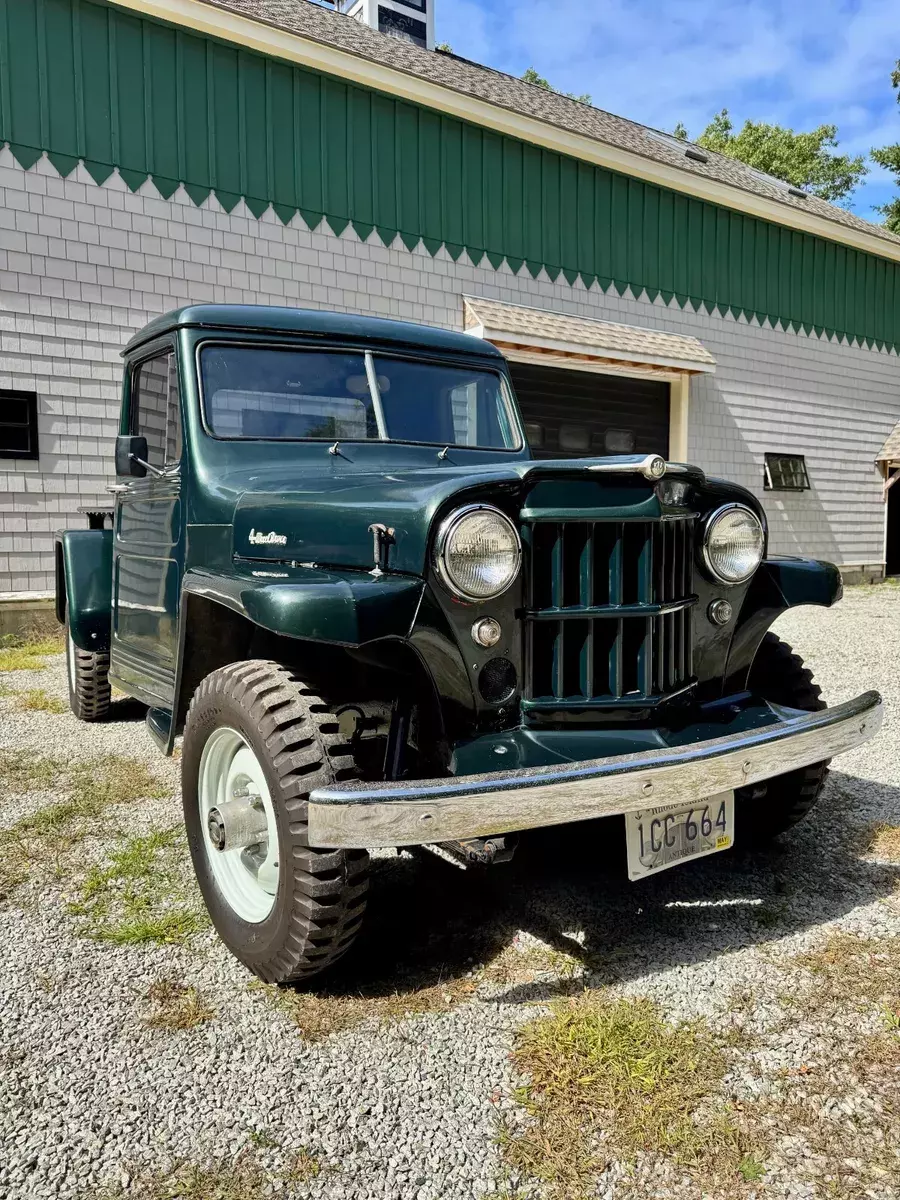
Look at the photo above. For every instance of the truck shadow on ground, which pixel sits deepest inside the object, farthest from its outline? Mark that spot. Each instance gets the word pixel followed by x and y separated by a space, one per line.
pixel 431 923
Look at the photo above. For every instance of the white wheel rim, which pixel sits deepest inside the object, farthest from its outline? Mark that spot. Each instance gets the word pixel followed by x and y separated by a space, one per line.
pixel 247 878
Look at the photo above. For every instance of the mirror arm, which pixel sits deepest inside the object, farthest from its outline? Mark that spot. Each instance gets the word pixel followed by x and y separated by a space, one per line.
pixel 148 466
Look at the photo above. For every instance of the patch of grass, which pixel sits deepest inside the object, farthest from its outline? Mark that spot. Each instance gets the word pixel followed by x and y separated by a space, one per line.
pixel 852 970
pixel 328 1011
pixel 240 1178
pixel 138 895
pixel 884 842
pixel 45 840
pixel 27 654
pixel 37 700
pixel 175 1005
pixel 332 1009
pixel 610 1077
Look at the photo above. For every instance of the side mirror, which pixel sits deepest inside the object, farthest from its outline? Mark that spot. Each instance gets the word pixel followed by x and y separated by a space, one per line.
pixel 128 450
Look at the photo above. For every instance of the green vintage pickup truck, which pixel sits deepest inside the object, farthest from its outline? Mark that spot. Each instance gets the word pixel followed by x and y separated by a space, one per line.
pixel 336 568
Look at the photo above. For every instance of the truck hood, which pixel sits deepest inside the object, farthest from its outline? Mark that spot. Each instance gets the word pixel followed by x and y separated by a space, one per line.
pixel 326 521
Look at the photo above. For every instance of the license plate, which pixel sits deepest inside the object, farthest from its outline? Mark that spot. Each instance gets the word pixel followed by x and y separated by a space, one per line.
pixel 657 838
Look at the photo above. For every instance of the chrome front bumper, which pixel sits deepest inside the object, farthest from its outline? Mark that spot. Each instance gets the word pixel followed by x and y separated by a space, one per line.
pixel 413 812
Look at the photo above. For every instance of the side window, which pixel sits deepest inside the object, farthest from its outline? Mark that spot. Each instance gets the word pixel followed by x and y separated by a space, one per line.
pixel 155 411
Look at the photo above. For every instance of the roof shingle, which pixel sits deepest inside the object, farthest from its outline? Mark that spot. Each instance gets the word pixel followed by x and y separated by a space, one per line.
pixel 508 322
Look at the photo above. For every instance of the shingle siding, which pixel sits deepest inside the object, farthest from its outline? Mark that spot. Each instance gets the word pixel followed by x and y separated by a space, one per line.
pixel 83 266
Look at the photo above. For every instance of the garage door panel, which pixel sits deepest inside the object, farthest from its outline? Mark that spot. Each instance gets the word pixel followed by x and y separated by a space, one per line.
pixel 583 413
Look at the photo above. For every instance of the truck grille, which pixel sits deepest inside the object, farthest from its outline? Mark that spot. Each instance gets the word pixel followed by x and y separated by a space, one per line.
pixel 609 612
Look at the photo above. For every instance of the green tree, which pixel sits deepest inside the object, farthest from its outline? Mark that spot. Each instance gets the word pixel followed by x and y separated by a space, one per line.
pixel 889 157
pixel 531 76
pixel 804 160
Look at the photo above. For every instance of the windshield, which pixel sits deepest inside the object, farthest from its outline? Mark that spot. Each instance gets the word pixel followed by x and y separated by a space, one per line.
pixel 281 393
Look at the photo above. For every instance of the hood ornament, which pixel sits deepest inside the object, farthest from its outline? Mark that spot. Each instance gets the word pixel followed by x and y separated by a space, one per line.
pixel 652 466
pixel 382 540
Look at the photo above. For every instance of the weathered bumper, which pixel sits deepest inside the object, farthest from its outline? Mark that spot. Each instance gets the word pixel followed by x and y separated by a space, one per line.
pixel 409 813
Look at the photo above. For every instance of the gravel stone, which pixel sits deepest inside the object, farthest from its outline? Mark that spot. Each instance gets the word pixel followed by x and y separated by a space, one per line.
pixel 89 1095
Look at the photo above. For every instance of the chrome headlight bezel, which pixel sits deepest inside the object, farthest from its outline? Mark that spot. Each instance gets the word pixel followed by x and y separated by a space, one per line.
pixel 449 526
pixel 709 525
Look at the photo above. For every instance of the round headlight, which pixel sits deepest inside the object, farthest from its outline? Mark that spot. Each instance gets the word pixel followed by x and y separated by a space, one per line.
pixel 733 543
pixel 478 553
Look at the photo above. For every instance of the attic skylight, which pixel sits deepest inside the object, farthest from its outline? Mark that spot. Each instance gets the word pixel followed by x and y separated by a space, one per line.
pixel 781 184
pixel 688 149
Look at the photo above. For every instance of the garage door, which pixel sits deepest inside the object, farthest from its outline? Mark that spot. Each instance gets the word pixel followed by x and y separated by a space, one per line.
pixel 570 414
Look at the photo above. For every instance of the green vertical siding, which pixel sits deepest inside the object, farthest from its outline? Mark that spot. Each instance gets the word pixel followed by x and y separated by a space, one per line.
pixel 149 99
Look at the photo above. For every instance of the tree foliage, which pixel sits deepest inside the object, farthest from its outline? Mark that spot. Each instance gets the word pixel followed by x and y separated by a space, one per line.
pixel 804 160
pixel 531 76
pixel 889 158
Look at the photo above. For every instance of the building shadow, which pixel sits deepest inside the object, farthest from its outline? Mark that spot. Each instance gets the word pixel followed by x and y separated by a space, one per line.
pixel 429 922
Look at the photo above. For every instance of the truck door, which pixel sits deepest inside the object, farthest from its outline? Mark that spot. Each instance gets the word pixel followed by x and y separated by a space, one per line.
pixel 148 549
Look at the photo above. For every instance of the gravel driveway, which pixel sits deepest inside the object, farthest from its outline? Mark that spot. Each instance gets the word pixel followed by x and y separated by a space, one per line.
pixel 138 1059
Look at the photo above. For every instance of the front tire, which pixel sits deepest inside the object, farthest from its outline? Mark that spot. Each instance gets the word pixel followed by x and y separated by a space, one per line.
pixel 776 805
pixel 88 674
pixel 285 910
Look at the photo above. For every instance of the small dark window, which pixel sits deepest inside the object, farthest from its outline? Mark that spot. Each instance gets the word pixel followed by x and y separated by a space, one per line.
pixel 400 25
pixel 786 473
pixel 18 425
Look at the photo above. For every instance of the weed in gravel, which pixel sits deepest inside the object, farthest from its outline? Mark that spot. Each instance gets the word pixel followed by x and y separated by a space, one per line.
pixel 851 970
pixel 262 1139
pixel 332 1009
pixel 175 1005
pixel 884 842
pixel 26 654
pixel 37 700
pixel 45 840
pixel 139 896
pixel 610 1077
pixel 320 1014
pixel 750 1169
pixel 240 1178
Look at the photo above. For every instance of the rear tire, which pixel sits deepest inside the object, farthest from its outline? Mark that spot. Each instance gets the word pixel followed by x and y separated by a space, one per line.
pixel 290 744
pixel 88 673
pixel 776 805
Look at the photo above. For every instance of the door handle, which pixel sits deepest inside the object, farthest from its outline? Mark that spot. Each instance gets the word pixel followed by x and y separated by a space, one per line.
pixel 116 488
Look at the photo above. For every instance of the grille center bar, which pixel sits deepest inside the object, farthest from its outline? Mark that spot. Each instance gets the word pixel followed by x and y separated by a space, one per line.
pixel 609 618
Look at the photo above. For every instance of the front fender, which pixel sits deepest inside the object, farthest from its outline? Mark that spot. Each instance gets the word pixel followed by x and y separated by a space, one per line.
pixel 84 586
pixel 347 608
pixel 779 584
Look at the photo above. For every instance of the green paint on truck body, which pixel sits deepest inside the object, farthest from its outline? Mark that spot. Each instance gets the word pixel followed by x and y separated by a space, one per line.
pixel 156 101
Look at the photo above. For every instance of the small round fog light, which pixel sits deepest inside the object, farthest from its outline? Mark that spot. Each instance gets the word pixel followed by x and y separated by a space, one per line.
pixel 720 612
pixel 486 632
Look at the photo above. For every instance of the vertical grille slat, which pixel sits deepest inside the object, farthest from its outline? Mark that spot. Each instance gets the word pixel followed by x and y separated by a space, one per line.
pixel 578 655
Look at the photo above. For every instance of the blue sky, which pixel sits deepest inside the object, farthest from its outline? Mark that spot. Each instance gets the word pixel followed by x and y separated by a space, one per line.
pixel 800 63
